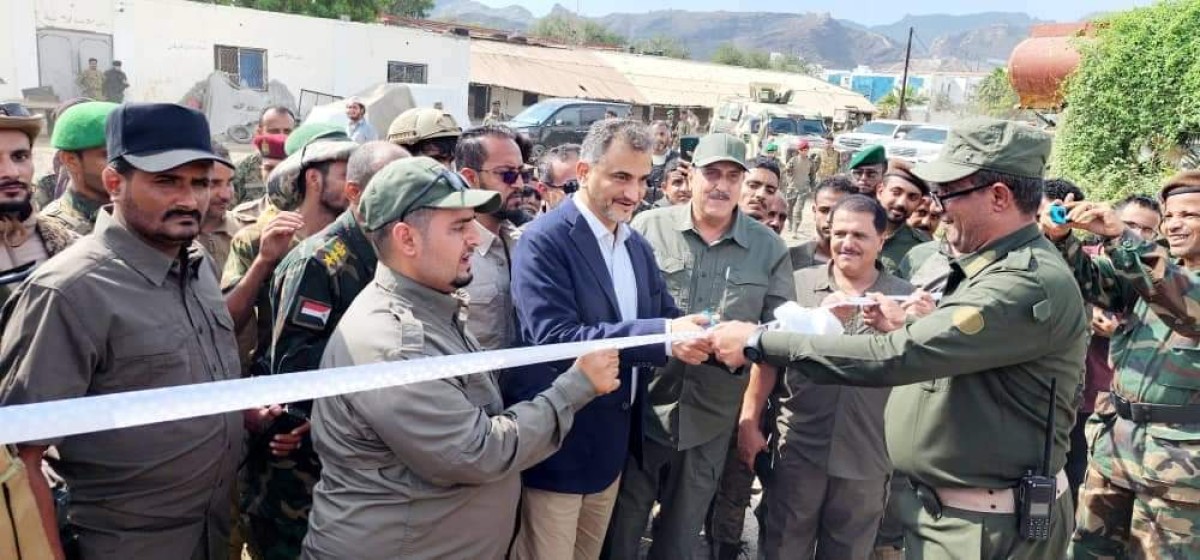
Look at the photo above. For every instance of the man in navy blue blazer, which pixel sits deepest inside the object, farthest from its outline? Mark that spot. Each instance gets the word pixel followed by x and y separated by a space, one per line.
pixel 580 273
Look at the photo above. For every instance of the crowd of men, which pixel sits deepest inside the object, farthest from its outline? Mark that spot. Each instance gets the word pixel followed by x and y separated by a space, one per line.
pixel 973 405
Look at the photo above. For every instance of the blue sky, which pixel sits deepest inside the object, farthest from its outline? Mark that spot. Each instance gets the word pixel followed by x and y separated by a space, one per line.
pixel 869 12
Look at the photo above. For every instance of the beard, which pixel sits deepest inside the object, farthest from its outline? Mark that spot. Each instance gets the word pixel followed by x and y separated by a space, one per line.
pixel 17 210
pixel 462 281
pixel 514 215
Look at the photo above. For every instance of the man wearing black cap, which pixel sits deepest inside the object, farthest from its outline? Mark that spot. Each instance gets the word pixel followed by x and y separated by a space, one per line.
pixel 133 306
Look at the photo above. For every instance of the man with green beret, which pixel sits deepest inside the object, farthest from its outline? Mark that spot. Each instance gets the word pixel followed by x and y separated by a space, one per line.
pixel 28 239
pixel 79 139
pixel 974 380
pixel 250 178
pixel 715 259
pixel 867 168
pixel 1141 494
pixel 429 469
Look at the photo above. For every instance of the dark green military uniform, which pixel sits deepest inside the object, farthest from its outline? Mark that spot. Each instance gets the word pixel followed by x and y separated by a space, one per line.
pixel 898 245
pixel 927 266
pixel 972 387
pixel 1141 496
pixel 73 211
pixel 743 276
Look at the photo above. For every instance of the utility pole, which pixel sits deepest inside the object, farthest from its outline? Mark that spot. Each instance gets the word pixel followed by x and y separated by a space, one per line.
pixel 900 114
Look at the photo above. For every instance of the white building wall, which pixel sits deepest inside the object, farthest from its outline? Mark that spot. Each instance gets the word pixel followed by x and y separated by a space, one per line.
pixel 18 50
pixel 168 45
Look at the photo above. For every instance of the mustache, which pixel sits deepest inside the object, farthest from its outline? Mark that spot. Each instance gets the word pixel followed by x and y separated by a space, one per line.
pixel 194 214
pixel 5 183
pixel 718 195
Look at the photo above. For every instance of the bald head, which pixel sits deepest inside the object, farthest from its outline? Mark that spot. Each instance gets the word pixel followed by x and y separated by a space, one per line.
pixel 369 158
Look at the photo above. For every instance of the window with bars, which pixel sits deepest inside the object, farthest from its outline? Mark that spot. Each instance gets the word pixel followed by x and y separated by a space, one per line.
pixel 407 73
pixel 247 64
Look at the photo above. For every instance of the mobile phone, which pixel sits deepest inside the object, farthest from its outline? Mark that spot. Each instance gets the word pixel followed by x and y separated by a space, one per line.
pixel 687 146
pixel 291 419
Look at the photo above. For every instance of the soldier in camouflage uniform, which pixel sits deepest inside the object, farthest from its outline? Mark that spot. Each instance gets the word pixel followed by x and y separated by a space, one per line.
pixel 250 176
pixel 311 289
pixel 79 139
pixel 828 161
pixel 1141 495
pixel 308 192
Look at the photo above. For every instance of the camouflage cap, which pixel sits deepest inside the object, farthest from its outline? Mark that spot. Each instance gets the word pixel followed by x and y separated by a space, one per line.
pixel 718 147
pixel 422 123
pixel 283 185
pixel 420 182
pixel 310 131
pixel 871 155
pixel 988 144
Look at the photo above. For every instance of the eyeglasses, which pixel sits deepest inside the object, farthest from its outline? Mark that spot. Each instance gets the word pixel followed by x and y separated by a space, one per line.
pixel 509 175
pixel 860 172
pixel 568 187
pixel 456 183
pixel 14 110
pixel 940 199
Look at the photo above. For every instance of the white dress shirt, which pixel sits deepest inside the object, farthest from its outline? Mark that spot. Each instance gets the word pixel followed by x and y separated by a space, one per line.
pixel 620 267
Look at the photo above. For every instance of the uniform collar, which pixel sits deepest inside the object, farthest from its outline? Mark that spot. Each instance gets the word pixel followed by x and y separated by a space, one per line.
pixel 85 206
pixel 828 283
pixel 425 302
pixel 972 264
pixel 152 264
pixel 738 230
pixel 487 239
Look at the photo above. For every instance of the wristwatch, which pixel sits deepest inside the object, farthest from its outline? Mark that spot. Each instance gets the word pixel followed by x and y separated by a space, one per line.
pixel 753 349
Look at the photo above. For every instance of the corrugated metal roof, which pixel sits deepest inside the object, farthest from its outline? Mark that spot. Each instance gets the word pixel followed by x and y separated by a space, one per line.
pixel 556 72
pixel 675 82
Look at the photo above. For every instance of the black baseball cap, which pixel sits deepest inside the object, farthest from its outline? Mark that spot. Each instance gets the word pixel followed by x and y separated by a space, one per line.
pixel 155 137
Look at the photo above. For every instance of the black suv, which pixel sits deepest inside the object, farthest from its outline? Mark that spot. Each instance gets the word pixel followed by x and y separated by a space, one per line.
pixel 559 121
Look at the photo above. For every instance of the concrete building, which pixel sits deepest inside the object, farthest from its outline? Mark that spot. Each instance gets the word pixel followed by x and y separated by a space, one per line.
pixel 875 85
pixel 167 46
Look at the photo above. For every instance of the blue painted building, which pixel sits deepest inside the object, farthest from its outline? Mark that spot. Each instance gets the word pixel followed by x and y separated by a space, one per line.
pixel 872 85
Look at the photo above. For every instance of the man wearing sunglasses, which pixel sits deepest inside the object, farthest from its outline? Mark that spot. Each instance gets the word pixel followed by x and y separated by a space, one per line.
pixel 967 418
pixel 557 174
pixel 489 159
pixel 25 237
pixel 867 168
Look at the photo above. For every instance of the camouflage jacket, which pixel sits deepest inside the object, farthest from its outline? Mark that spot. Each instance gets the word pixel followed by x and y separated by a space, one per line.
pixel 254 338
pixel 311 289
pixel 247 179
pixel 73 211
pixel 1156 359
pixel 54 237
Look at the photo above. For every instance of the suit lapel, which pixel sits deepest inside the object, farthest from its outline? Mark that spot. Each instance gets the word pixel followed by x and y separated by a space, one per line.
pixel 587 246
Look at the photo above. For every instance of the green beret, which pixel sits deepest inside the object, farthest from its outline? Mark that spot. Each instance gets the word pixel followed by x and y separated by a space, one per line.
pixel 81 127
pixel 308 132
pixel 870 155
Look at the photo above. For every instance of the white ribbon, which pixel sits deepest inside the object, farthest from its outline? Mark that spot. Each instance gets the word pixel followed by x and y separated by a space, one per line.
pixel 55 419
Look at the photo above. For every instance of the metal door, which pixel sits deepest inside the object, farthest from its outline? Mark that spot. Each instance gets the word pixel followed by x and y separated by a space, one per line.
pixel 63 54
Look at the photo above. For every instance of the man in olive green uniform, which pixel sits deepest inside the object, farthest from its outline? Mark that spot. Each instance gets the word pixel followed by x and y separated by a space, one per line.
pixel 310 291
pixel 829 191
pixel 79 139
pixel 714 259
pixel 967 416
pixel 91 81
pixel 429 469
pixel 800 171
pixel 1141 495
pixel 250 178
pixel 134 306
pixel 867 168
pixel 830 479
pixel 900 193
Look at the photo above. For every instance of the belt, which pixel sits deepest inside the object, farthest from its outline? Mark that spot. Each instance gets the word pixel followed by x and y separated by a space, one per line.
pixel 1144 413
pixel 980 500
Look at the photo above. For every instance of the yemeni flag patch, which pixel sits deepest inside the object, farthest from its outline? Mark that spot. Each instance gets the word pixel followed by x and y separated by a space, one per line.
pixel 312 314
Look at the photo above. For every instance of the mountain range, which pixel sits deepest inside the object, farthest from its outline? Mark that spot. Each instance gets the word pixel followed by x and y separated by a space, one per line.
pixel 974 42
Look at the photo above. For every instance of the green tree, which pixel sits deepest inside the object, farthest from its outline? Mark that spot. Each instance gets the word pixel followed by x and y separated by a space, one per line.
pixel 575 30
pixel 995 96
pixel 889 105
pixel 1133 100
pixel 419 9
pixel 662 45
pixel 356 10
pixel 792 63
pixel 728 53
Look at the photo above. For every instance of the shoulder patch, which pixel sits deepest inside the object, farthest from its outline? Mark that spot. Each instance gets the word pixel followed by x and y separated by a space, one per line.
pixel 311 314
pixel 968 320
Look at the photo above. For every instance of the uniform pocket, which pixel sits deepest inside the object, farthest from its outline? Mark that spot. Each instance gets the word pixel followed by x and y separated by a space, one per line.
pixel 145 359
pixel 678 279
pixel 1172 458
pixel 744 296
pixel 1181 364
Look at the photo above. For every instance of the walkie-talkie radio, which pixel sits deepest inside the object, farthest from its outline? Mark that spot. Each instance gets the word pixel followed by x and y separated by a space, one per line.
pixel 1036 494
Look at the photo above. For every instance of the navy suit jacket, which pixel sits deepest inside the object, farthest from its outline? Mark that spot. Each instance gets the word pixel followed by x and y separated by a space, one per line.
pixel 562 292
